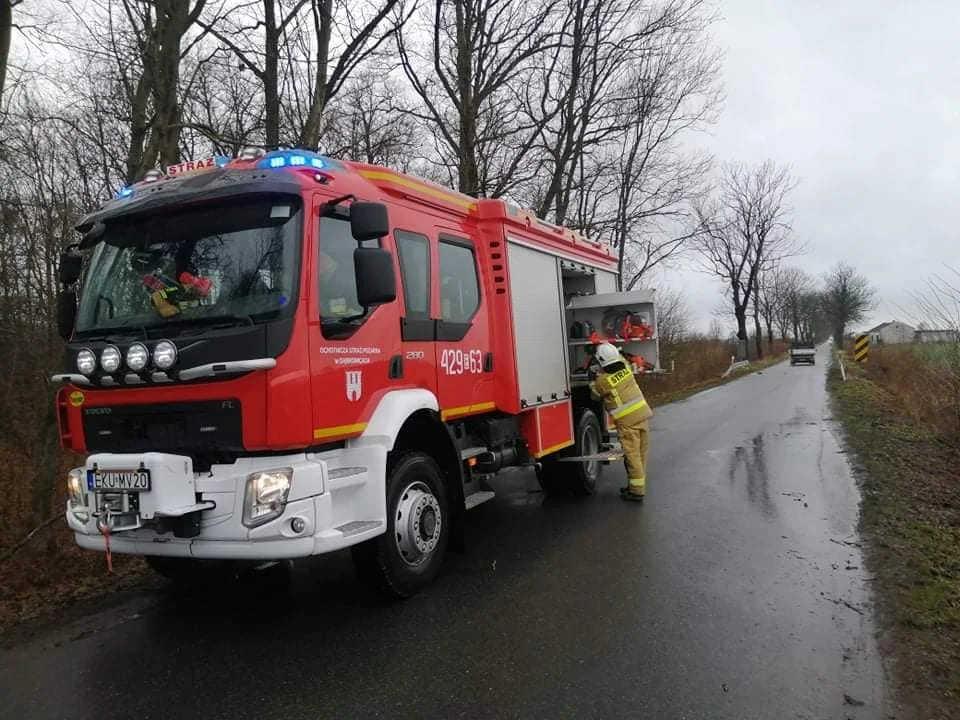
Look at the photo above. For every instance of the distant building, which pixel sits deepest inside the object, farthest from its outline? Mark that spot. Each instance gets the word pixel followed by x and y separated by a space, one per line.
pixel 936 336
pixel 892 333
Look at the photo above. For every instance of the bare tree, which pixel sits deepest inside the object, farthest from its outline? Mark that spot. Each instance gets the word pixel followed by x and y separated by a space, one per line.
pixel 586 80
pixel 673 317
pixel 939 304
pixel 370 123
pixel 470 80
pixel 848 296
pixel 360 45
pixel 769 299
pixel 335 40
pixel 744 230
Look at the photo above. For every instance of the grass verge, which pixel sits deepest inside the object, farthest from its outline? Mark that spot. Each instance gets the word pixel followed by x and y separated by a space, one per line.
pixel 910 520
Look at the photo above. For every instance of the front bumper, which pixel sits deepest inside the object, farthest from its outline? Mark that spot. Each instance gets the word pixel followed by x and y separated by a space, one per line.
pixel 337 496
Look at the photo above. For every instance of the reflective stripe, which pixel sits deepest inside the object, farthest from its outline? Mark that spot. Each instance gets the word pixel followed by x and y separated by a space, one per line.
pixel 630 407
pixel 634 482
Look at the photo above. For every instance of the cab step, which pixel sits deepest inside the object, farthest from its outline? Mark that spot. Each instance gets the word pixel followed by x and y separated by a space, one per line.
pixel 471 452
pixel 474 499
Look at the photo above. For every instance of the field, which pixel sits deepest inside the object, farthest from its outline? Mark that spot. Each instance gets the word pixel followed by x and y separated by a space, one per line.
pixel 698 365
pixel 901 414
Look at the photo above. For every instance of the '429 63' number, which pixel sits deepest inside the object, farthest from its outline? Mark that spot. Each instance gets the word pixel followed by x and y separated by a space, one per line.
pixel 459 362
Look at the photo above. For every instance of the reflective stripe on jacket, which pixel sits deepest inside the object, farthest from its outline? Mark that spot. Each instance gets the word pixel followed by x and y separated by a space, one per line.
pixel 622 397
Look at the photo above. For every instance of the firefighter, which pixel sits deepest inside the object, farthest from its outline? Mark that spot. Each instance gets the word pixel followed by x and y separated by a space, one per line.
pixel 622 398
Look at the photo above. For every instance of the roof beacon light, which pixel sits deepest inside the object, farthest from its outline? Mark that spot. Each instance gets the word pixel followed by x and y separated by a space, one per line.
pixel 294 159
pixel 251 153
pixel 125 192
pixel 153 175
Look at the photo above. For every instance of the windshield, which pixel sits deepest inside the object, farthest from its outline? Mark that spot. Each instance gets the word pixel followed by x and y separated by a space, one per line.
pixel 233 260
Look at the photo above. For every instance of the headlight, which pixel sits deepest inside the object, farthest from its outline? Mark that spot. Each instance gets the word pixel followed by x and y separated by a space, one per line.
pixel 137 357
pixel 266 496
pixel 75 490
pixel 110 359
pixel 86 361
pixel 164 354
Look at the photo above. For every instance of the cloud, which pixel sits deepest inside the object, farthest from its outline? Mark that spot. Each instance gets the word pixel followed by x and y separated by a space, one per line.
pixel 859 99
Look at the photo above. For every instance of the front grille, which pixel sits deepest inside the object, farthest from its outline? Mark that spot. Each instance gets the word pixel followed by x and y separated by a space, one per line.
pixel 188 428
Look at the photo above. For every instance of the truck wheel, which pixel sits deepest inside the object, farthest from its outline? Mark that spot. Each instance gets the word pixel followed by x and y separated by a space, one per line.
pixel 580 478
pixel 588 437
pixel 402 561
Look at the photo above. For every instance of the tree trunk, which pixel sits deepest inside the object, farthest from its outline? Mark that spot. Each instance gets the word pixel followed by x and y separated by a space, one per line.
pixel 171 25
pixel 6 28
pixel 139 127
pixel 271 84
pixel 758 331
pixel 310 137
pixel 468 180
pixel 758 335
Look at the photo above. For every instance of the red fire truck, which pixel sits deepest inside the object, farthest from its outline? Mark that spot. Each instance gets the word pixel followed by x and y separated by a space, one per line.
pixel 281 355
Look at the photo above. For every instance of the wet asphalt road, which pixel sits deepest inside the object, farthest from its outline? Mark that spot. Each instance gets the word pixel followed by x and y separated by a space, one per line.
pixel 736 591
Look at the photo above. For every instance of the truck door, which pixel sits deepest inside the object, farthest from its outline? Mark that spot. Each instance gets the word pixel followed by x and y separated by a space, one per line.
pixel 464 364
pixel 417 256
pixel 352 356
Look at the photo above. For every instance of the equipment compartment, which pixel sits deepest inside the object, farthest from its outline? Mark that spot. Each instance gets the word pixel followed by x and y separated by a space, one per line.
pixel 626 319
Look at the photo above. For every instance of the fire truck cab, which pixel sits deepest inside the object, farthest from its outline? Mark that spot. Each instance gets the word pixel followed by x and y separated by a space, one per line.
pixel 281 355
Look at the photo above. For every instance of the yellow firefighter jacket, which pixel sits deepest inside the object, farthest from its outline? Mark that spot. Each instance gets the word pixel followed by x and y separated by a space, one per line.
pixel 622 397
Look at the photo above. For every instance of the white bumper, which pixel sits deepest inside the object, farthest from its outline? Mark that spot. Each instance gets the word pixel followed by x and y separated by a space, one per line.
pixel 339 496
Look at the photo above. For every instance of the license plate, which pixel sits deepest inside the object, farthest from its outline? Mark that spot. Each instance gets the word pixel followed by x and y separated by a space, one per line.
pixel 118 480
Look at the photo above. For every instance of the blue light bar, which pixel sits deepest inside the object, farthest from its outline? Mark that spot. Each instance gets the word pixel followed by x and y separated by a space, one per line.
pixel 125 192
pixel 294 159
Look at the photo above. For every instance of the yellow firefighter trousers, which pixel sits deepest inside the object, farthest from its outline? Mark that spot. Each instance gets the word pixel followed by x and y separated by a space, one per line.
pixel 635 441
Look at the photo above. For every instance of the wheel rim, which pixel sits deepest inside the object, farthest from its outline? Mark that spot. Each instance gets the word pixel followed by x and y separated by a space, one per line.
pixel 590 443
pixel 418 523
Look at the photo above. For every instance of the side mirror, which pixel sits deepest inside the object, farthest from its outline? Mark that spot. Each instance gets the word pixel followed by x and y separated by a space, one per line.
pixel 91 236
pixel 71 265
pixel 376 283
pixel 66 313
pixel 368 221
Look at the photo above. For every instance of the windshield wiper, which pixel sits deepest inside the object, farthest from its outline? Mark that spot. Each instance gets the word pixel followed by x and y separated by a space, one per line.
pixel 224 320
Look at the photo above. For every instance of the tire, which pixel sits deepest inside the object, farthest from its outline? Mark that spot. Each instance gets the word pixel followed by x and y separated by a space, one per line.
pixel 588 438
pixel 559 478
pixel 399 563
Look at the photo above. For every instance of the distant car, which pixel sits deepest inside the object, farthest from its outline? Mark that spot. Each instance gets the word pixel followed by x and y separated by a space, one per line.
pixel 803 353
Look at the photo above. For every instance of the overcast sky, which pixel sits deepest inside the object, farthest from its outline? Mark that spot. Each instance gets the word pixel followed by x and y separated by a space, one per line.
pixel 861 98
